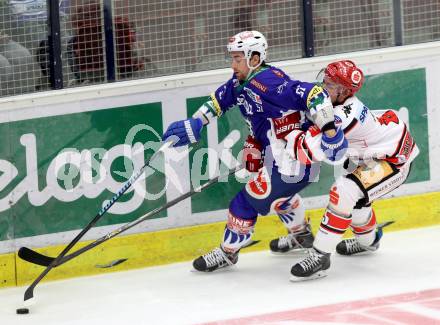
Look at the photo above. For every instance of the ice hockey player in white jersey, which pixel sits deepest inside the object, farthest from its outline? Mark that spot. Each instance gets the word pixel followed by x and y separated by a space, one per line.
pixel 380 152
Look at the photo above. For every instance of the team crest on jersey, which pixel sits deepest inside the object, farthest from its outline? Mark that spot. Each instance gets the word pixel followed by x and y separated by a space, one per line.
pixel 259 187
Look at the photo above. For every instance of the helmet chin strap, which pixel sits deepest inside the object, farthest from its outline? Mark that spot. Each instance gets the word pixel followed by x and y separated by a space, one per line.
pixel 251 69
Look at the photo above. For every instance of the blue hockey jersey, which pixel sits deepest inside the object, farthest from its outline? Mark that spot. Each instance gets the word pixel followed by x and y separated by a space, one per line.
pixel 267 94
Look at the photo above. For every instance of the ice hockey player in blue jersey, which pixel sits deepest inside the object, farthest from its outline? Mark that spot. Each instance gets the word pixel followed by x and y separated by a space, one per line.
pixel 273 105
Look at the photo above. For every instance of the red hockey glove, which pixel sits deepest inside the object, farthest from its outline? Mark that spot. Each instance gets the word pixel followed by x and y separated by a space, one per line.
pixel 252 158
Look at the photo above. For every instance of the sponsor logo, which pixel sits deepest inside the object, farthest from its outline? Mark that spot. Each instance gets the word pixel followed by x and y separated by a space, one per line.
pixel 245 35
pixel 281 87
pixel 356 77
pixel 258 85
pixel 287 127
pixel 240 226
pixel 407 145
pixel 363 114
pixel 259 187
pixel 334 196
pixel 255 98
pixel 387 187
pixel 243 103
pixel 347 109
pixel 91 167
pixel 338 120
pixel 278 73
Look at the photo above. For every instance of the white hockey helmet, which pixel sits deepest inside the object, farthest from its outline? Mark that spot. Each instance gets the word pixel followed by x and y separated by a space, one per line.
pixel 249 42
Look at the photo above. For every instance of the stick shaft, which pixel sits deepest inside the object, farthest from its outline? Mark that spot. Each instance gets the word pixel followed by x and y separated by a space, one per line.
pixel 29 292
pixel 146 216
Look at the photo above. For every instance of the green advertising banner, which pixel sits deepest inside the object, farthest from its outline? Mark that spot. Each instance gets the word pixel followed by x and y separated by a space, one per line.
pixel 51 187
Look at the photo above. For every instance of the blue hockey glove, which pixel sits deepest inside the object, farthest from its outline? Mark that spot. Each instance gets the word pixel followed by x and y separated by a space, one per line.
pixel 187 131
pixel 334 147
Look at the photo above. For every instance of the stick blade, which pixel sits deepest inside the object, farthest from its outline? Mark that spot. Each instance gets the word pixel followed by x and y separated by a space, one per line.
pixel 34 257
pixel 111 264
pixel 386 223
pixel 29 293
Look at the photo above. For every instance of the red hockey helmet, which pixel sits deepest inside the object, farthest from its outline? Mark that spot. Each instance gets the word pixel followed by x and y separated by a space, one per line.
pixel 345 73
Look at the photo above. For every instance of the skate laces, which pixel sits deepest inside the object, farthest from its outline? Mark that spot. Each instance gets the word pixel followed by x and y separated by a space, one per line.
pixel 216 257
pixel 287 241
pixel 314 259
pixel 353 246
pixel 291 240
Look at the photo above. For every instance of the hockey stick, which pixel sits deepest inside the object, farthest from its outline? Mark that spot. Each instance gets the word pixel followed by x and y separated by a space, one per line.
pixel 37 258
pixel 30 291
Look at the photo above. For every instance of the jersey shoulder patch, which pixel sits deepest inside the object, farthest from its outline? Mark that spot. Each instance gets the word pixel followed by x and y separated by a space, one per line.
pixel 315 96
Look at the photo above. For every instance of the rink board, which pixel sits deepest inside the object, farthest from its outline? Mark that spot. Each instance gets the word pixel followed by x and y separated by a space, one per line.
pixel 184 244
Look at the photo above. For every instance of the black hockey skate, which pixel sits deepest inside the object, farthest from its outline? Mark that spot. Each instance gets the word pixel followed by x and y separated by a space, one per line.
pixel 293 241
pixel 215 259
pixel 311 267
pixel 352 246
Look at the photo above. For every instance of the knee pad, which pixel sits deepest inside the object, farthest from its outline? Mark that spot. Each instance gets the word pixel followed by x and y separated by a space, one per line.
pixel 291 212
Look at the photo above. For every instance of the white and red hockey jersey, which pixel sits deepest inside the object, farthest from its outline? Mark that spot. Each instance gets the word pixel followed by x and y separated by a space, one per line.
pixel 369 135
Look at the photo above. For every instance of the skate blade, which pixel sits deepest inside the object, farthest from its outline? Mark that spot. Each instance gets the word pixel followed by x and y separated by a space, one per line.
pixel 296 251
pixel 364 253
pixel 317 275
pixel 230 268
